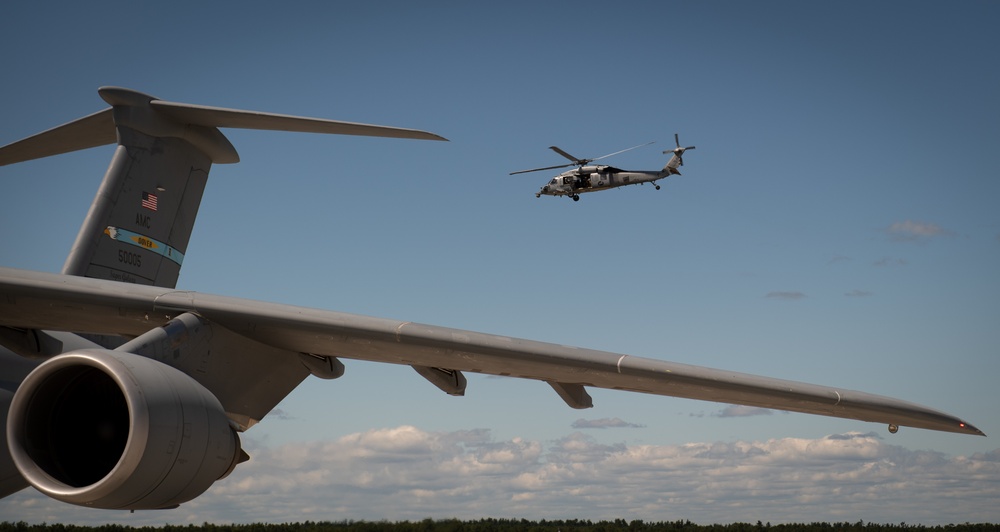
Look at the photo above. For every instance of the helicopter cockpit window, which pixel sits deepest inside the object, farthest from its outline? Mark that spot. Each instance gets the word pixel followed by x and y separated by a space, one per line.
pixel 554 181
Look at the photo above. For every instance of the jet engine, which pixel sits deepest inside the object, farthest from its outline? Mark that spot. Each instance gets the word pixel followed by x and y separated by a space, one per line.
pixel 115 430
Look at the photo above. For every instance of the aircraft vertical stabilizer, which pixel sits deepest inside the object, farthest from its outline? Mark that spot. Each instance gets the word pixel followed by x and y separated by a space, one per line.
pixel 140 223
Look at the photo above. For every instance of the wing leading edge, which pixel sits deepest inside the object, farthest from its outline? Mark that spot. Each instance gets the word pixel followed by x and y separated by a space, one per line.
pixel 35 300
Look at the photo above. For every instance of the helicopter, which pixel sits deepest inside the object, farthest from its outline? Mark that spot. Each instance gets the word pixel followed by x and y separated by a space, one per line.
pixel 594 178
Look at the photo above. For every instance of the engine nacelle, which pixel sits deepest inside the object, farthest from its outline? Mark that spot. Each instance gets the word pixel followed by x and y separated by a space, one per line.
pixel 114 430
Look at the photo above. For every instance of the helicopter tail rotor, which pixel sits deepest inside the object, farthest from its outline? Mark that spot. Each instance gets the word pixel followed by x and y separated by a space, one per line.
pixel 678 151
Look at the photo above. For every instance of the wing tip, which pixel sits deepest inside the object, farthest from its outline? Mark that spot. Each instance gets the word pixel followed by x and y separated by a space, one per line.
pixel 968 428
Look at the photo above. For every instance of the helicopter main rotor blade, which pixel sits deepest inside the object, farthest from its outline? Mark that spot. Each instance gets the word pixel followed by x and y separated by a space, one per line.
pixel 622 151
pixel 540 169
pixel 570 157
pixel 577 162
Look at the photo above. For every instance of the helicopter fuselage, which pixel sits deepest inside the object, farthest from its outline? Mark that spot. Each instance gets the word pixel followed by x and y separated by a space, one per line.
pixel 594 178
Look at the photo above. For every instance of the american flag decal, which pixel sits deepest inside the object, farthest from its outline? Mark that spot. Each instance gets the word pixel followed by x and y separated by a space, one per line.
pixel 149 201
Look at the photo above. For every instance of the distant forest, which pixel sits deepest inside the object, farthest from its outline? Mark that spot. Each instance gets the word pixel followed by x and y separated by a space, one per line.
pixel 490 525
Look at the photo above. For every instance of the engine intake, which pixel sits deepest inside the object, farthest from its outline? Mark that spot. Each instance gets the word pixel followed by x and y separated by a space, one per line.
pixel 114 430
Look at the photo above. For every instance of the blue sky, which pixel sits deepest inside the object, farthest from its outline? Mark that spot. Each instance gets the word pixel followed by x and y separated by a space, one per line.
pixel 837 224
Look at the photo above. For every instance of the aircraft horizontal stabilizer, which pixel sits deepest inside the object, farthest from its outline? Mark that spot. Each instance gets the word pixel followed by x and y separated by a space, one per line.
pixel 200 115
pixel 90 131
pixel 171 119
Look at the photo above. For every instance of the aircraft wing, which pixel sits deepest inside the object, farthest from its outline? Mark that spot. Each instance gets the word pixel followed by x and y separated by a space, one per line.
pixel 34 300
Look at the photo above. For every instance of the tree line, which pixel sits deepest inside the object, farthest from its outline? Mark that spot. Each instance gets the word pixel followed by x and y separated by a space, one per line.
pixel 497 525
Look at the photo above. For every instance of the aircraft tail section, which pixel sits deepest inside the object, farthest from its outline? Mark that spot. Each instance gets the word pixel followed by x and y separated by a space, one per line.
pixel 140 223
pixel 677 160
pixel 671 168
pixel 141 220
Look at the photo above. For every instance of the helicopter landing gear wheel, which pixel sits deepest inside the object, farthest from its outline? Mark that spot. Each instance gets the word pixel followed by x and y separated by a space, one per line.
pixel 576 197
pixel 657 186
pixel 893 429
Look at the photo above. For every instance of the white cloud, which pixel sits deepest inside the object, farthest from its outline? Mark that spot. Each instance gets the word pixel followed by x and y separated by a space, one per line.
pixel 408 473
pixel 604 423
pixel 787 296
pixel 858 293
pixel 890 261
pixel 743 411
pixel 910 231
pixel 278 413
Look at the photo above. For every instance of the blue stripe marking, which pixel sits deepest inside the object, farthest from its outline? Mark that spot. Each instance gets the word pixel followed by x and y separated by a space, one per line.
pixel 144 242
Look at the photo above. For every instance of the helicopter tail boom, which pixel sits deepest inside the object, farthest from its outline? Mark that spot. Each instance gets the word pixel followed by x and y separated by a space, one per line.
pixel 671 167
